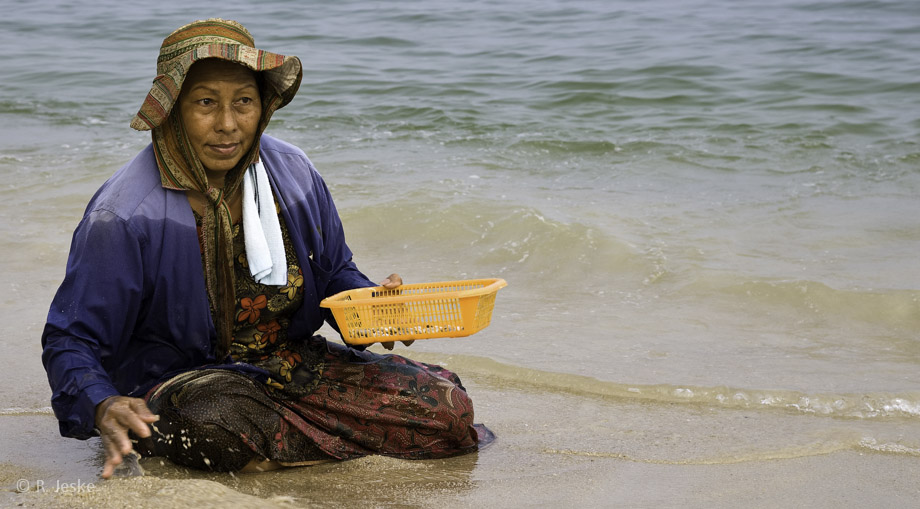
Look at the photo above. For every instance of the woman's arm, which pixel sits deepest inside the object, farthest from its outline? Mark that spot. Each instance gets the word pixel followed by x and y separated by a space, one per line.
pixel 91 316
pixel 343 273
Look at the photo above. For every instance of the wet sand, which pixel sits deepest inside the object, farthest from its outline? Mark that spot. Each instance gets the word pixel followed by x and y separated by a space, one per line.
pixel 556 448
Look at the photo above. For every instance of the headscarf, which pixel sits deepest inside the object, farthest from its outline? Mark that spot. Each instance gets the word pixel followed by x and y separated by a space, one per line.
pixel 180 168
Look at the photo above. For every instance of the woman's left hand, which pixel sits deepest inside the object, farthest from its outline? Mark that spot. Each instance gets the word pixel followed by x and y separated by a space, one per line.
pixel 392 282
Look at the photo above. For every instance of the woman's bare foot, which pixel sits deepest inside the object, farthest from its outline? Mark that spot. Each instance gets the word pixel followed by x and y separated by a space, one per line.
pixel 263 465
pixel 260 465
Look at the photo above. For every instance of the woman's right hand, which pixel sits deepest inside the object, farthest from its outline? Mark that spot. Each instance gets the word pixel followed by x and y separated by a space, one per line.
pixel 115 416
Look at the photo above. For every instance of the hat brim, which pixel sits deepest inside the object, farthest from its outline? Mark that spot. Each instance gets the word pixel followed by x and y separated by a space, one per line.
pixel 283 73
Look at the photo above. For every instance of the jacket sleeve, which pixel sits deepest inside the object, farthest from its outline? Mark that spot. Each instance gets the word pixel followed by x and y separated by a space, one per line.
pixel 335 263
pixel 343 274
pixel 91 318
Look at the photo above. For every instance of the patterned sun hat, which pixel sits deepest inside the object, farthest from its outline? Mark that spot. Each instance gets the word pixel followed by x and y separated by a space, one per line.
pixel 212 38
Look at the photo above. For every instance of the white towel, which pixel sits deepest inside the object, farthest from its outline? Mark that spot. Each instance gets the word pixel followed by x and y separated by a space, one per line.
pixel 261 229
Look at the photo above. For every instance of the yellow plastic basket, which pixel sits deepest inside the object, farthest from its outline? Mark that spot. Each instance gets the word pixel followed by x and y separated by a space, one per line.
pixel 414 311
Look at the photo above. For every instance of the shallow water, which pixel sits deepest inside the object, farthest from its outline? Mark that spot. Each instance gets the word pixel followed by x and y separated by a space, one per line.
pixel 706 213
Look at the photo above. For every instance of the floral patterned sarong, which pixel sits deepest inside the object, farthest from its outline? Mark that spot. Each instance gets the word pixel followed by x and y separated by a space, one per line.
pixel 362 404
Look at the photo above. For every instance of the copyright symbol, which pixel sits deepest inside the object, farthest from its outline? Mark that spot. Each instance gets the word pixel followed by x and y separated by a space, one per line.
pixel 22 485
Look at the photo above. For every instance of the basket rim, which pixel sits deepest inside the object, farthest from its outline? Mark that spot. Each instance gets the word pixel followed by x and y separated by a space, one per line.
pixel 490 285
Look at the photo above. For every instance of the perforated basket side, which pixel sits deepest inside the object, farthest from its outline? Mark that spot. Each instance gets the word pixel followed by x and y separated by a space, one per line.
pixel 435 316
pixel 484 308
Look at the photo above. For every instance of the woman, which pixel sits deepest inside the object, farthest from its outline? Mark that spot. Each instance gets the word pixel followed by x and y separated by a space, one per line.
pixel 193 285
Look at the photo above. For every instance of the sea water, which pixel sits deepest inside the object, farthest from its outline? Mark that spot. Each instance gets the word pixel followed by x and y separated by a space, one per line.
pixel 695 203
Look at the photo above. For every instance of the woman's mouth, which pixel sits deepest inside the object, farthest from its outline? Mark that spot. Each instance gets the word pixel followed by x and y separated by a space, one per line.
pixel 225 149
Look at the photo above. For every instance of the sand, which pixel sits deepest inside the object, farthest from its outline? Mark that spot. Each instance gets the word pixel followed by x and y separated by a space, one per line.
pixel 555 448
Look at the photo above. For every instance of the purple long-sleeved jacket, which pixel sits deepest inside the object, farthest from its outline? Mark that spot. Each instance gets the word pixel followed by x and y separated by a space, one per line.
pixel 133 308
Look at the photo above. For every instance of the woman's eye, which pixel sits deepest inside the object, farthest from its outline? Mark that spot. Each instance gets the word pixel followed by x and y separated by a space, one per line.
pixel 205 102
pixel 246 100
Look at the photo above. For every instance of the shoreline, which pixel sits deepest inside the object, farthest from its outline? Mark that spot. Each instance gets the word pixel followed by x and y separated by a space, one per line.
pixel 553 450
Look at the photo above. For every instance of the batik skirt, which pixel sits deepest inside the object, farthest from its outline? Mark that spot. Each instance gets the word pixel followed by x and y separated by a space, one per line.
pixel 343 405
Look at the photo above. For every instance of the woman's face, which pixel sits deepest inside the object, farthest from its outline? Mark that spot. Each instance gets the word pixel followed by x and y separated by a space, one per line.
pixel 220 109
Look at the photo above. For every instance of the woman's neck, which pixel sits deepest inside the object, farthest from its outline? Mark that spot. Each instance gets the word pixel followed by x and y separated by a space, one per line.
pixel 216 178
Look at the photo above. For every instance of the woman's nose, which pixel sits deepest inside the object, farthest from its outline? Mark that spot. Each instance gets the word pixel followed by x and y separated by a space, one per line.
pixel 226 119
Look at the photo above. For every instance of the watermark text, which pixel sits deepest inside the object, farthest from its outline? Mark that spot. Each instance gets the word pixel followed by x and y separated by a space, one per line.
pixel 56 486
